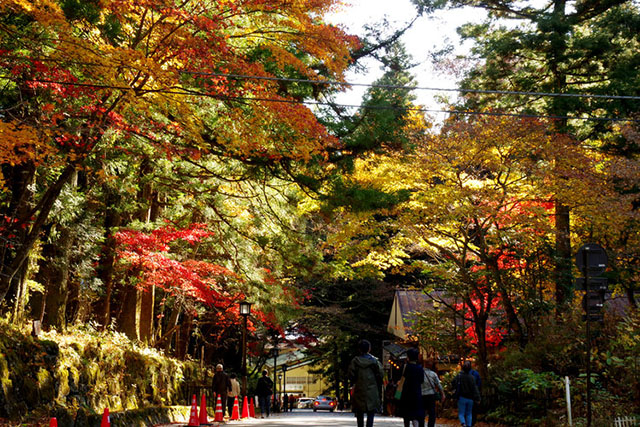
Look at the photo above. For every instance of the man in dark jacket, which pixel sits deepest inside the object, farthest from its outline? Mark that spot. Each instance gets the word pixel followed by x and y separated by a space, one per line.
pixel 221 386
pixel 467 393
pixel 365 372
pixel 476 375
pixel 264 389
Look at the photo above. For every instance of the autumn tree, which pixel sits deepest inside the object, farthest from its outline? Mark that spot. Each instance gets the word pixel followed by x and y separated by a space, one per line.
pixel 151 107
pixel 563 51
pixel 478 222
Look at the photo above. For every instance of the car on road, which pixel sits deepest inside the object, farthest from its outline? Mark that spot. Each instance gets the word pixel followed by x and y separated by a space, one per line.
pixel 305 402
pixel 325 402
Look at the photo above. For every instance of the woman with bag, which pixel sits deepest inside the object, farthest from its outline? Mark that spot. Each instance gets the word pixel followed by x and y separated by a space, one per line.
pixel 410 404
pixel 432 391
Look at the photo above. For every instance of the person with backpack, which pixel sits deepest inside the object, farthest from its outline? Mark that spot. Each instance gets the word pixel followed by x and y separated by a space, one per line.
pixel 466 391
pixel 264 390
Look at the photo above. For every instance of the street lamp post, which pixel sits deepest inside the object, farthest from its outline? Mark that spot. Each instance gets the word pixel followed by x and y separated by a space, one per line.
pixel 245 310
pixel 284 378
pixel 275 382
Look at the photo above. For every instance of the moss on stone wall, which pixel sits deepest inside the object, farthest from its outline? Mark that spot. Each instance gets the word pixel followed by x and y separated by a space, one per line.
pixel 79 375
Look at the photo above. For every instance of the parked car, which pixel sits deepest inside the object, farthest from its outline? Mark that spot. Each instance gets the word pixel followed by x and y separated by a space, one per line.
pixel 325 402
pixel 305 402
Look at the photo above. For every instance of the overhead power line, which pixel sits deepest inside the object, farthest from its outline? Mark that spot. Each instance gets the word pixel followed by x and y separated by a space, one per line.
pixel 455 112
pixel 405 87
pixel 332 104
pixel 380 86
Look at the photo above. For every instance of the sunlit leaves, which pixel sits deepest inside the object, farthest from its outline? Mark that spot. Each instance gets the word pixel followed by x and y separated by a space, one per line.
pixel 147 69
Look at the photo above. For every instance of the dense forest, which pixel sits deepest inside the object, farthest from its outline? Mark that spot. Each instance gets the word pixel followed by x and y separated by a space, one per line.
pixel 162 161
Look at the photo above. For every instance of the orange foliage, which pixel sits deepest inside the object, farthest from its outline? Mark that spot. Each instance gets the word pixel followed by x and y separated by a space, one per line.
pixel 159 53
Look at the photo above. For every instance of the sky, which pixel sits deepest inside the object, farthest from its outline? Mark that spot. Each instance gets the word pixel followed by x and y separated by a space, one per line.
pixel 428 35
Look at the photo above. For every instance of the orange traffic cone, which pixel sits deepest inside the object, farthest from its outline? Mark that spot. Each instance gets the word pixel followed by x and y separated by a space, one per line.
pixel 235 414
pixel 203 410
pixel 252 409
pixel 106 421
pixel 219 416
pixel 53 422
pixel 245 408
pixel 193 418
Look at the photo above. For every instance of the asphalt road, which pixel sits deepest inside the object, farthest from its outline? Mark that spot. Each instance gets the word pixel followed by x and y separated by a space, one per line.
pixel 308 418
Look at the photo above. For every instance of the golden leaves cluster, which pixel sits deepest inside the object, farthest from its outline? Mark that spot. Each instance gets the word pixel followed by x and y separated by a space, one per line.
pixel 21 144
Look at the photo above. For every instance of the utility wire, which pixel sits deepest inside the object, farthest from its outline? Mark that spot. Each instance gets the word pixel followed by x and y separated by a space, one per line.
pixel 426 110
pixel 321 103
pixel 439 89
pixel 379 86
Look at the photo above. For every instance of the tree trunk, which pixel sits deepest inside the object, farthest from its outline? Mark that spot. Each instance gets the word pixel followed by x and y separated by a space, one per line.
pixel 129 318
pixel 11 267
pixel 172 325
pixel 74 303
pixel 149 297
pixel 139 308
pixel 507 305
pixel 14 228
pixel 483 354
pixel 21 296
pixel 557 54
pixel 146 314
pixel 183 337
pixel 54 276
pixel 563 253
pixel 112 219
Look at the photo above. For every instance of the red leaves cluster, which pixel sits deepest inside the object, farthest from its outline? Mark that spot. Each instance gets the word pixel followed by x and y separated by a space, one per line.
pixel 147 256
pixel 494 333
pixel 58 81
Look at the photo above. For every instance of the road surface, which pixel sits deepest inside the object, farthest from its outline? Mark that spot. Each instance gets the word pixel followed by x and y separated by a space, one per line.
pixel 308 418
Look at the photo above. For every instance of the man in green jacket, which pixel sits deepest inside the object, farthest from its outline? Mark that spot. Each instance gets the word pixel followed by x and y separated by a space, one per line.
pixel 365 372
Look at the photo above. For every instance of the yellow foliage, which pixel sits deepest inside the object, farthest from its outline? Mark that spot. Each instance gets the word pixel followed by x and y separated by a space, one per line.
pixel 498 175
pixel 21 144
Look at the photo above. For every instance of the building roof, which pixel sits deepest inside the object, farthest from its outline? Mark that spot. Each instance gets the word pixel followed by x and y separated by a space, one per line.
pixel 406 304
pixel 395 350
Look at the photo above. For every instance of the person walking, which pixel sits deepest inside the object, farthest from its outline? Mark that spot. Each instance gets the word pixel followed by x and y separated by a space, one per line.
pixel 389 401
pixel 264 390
pixel 467 393
pixel 234 391
pixel 410 405
pixel 432 391
pixel 292 401
pixel 476 376
pixel 365 372
pixel 285 403
pixel 221 385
